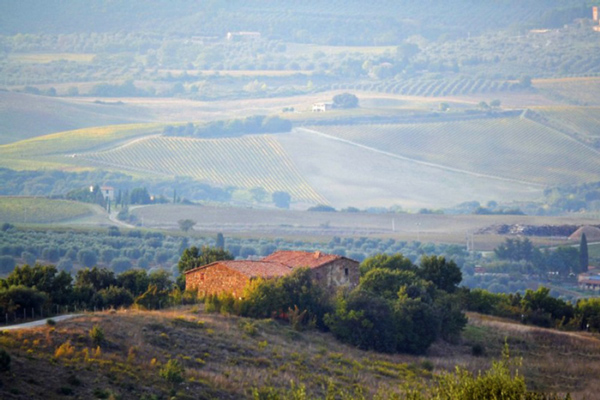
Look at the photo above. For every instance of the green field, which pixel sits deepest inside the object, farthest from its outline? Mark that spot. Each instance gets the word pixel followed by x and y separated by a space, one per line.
pixel 510 148
pixel 59 149
pixel 30 210
pixel 246 162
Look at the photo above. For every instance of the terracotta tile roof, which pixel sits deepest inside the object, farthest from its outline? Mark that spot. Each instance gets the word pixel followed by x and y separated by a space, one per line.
pixel 252 269
pixel 297 259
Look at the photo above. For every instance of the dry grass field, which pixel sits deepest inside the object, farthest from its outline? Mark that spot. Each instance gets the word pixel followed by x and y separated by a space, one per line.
pixel 319 225
pixel 31 210
pixel 578 91
pixel 227 357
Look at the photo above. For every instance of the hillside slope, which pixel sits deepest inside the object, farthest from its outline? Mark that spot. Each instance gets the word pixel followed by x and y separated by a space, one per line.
pixel 228 357
pixel 23 116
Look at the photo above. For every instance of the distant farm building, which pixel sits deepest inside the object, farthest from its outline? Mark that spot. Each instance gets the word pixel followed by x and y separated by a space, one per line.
pixel 108 192
pixel 327 270
pixel 233 36
pixel 589 280
pixel 322 107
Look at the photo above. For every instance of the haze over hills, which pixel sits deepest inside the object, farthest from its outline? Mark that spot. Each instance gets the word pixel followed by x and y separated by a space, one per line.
pixel 447 153
pixel 450 110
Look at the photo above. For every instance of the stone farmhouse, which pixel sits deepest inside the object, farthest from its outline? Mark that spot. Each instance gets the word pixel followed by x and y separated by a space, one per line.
pixel 328 270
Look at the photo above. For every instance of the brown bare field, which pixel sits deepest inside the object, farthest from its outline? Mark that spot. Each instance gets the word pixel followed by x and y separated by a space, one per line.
pixel 291 223
pixel 226 357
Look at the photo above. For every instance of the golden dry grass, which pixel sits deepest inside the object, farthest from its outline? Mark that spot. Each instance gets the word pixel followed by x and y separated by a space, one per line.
pixel 225 357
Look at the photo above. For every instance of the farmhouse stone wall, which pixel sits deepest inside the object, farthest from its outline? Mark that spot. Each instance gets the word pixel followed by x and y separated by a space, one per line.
pixel 216 279
pixel 342 272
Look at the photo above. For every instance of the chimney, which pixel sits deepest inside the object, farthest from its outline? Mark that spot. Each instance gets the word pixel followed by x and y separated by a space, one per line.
pixel 317 254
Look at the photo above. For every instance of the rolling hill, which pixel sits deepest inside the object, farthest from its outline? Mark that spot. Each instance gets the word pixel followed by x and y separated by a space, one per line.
pixel 229 357
pixel 516 149
pixel 23 116
pixel 247 162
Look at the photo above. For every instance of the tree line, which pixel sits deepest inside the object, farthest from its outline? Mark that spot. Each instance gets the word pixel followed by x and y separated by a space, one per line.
pixel 231 128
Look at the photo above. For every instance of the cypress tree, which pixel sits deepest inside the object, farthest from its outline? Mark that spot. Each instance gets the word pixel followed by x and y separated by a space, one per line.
pixel 584 259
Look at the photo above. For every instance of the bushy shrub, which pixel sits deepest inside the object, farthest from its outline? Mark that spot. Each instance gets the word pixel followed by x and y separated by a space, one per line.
pixel 4 360
pixel 97 335
pixel 173 372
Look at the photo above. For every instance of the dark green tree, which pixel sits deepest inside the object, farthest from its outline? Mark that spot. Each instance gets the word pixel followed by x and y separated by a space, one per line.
pixel 444 274
pixel 95 278
pixel 584 258
pixel 139 196
pixel 186 224
pixel 87 257
pixel 135 280
pixel 220 242
pixel 396 262
pixel 345 100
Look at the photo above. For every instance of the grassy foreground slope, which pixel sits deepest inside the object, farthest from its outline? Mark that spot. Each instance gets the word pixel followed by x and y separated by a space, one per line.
pixel 228 357
pixel 510 148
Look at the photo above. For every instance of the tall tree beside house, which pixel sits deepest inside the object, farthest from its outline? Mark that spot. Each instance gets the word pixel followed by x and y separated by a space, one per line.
pixel 220 241
pixel 584 258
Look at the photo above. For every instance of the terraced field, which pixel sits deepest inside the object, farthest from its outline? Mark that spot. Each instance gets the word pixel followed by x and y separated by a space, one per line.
pixel 245 162
pixel 509 148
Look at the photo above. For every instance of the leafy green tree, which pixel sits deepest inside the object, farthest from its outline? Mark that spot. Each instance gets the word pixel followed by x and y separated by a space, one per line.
pixel 588 313
pixel 115 296
pixel 153 298
pixel 515 249
pixel 539 303
pixel 396 262
pixel 345 100
pixel 120 264
pixel 584 258
pixel 268 298
pixel 87 257
pixel 161 279
pixel 366 321
pixel 45 278
pixel 135 280
pixel 186 224
pixel 173 372
pixel 139 196
pixel 386 282
pixel 444 274
pixel 564 260
pixel 95 278
pixel 7 264
pixel 17 298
